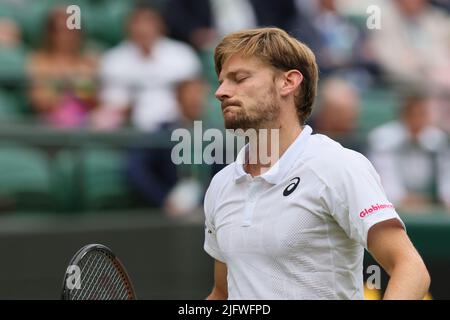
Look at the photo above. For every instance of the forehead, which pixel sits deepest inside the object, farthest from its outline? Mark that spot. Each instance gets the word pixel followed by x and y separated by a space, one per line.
pixel 238 62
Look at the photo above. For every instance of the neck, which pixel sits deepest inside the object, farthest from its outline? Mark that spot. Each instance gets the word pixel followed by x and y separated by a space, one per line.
pixel 269 145
pixel 145 49
pixel 63 54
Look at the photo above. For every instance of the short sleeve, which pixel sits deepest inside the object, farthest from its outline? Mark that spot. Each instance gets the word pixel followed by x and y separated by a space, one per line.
pixel 115 91
pixel 211 246
pixel 356 199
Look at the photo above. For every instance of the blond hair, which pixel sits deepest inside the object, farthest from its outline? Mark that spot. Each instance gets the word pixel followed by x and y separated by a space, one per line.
pixel 279 50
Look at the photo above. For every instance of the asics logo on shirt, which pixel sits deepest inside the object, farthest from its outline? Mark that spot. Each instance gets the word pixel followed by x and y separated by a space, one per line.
pixel 291 187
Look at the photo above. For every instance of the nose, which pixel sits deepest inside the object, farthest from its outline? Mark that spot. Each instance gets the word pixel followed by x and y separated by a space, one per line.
pixel 222 92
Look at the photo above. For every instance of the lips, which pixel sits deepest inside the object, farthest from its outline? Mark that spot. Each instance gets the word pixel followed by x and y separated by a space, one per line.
pixel 229 104
pixel 228 108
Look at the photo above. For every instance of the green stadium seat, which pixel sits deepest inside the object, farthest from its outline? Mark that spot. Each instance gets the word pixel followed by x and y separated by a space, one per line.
pixel 31 17
pixel 63 186
pixel 104 179
pixel 357 19
pixel 104 19
pixel 25 179
pixel 100 19
pixel 6 10
pixel 12 65
pixel 93 179
pixel 9 107
pixel 379 106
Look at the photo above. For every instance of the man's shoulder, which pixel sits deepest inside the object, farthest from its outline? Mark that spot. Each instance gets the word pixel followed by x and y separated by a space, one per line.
pixel 329 160
pixel 175 46
pixel 118 57
pixel 324 150
pixel 387 136
pixel 180 58
pixel 124 48
pixel 223 177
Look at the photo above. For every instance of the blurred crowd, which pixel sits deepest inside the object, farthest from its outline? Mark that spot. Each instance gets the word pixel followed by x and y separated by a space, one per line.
pixel 148 65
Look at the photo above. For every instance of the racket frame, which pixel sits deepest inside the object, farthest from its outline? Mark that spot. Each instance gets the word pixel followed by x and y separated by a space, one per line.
pixel 81 253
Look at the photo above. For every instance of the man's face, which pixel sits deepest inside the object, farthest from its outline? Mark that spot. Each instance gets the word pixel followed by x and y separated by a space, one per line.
pixel 191 97
pixel 411 7
pixel 144 27
pixel 417 117
pixel 248 94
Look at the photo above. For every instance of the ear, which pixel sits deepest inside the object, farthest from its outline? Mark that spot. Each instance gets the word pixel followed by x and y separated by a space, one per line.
pixel 291 81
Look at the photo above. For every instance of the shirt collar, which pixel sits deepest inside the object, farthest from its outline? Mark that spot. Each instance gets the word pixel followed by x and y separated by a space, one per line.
pixel 276 173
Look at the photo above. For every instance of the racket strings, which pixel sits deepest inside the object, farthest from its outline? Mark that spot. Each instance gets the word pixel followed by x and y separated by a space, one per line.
pixel 88 267
pixel 95 271
pixel 101 279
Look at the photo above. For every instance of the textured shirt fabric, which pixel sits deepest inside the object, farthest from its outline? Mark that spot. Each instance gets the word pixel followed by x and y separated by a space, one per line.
pixel 299 230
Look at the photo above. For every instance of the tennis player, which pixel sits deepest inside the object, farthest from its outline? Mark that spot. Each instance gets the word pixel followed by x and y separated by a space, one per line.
pixel 297 228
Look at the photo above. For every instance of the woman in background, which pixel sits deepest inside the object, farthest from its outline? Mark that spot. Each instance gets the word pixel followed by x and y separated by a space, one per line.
pixel 62 76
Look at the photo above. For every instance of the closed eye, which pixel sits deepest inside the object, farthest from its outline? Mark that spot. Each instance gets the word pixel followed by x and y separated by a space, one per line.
pixel 241 79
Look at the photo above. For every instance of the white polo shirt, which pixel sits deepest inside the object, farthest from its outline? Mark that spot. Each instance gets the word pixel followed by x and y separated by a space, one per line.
pixel 299 230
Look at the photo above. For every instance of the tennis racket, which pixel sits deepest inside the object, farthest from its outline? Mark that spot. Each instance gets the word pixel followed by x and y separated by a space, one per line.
pixel 95 273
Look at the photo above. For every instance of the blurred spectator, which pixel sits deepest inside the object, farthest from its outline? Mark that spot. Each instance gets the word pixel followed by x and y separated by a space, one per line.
pixel 152 172
pixel 12 54
pixel 412 157
pixel 12 69
pixel 440 110
pixel 202 22
pixel 138 76
pixel 413 44
pixel 338 44
pixel 10 35
pixel 337 112
pixel 413 47
pixel 62 76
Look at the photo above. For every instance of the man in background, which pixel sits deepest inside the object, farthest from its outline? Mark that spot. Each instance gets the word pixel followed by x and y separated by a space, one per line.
pixel 412 157
pixel 139 76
